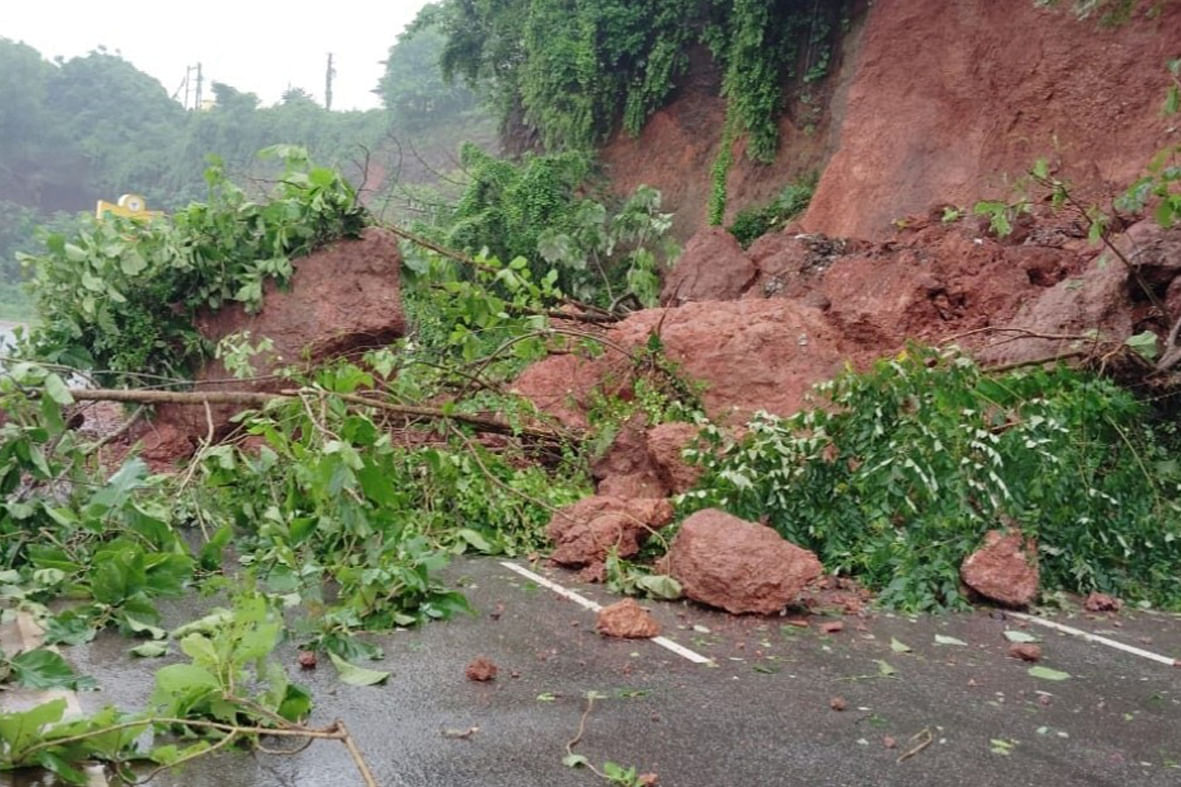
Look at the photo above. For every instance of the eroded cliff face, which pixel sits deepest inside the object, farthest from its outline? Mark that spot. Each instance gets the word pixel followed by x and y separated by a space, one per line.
pixel 930 101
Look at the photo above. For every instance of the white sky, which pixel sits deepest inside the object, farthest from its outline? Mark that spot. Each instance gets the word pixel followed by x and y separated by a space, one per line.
pixel 257 47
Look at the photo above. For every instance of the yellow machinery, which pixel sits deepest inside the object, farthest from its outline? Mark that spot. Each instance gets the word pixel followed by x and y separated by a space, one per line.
pixel 131 206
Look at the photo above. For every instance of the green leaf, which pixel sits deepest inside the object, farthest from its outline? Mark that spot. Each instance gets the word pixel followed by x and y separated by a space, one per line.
pixel 357 676
pixel 151 650
pixel 475 540
pixel 57 390
pixel 1144 343
pixel 183 678
pixel 1020 636
pixel 943 640
pixel 45 669
pixel 884 669
pixel 899 647
pixel 660 586
pixel 140 627
pixel 21 729
pixel 132 263
pixel 1045 673
pixel 575 761
pixel 74 253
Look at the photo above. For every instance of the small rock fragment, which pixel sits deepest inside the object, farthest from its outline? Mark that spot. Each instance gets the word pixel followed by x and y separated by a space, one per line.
pixel 307 659
pixel 889 742
pixel 832 627
pixel 647 779
pixel 626 619
pixel 481 669
pixel 1026 651
pixel 1101 602
pixel 837 703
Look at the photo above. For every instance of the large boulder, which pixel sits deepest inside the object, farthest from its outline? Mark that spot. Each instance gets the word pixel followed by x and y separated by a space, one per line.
pixel 750 354
pixel 341 299
pixel 1004 569
pixel 584 532
pixel 740 566
pixel 713 267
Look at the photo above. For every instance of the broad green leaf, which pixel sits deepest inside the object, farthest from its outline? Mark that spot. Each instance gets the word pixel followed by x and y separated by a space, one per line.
pixel 660 586
pixel 44 669
pixel 357 676
pixel 74 253
pixel 57 390
pixel 183 678
pixel 884 669
pixel 476 540
pixel 20 729
pixel 1019 636
pixel 1045 673
pixel 940 639
pixel 140 627
pixel 899 647
pixel 1144 343
pixel 151 649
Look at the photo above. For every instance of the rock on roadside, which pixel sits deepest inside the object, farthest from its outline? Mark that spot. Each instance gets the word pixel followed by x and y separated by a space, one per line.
pixel 626 619
pixel 740 566
pixel 585 531
pixel 1004 569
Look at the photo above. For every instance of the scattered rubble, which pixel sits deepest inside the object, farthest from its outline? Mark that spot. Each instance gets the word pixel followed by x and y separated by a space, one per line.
pixel 627 619
pixel 1026 651
pixel 481 670
pixel 1101 602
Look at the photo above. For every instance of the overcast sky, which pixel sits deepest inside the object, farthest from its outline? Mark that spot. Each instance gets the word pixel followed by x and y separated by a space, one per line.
pixel 259 46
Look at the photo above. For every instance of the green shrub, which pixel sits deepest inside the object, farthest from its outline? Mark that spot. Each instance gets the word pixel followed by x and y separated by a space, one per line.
pixel 120 296
pixel 899 479
pixel 753 223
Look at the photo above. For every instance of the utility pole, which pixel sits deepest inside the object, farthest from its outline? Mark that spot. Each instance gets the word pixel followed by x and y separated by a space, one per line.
pixel 328 74
pixel 197 102
pixel 188 70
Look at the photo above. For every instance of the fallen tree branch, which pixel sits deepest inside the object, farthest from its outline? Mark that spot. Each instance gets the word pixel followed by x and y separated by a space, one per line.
pixel 259 399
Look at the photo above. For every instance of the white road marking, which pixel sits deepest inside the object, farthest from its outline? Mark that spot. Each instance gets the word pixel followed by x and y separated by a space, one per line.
pixel 594 606
pixel 1089 637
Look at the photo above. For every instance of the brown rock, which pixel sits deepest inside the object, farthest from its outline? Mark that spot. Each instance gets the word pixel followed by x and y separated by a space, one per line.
pixel 307 659
pixel 666 442
pixel 1101 602
pixel 340 298
pixel 832 627
pixel 713 267
pixel 481 670
pixel 1026 651
pixel 1004 569
pixel 838 703
pixel 740 566
pixel 626 619
pixel 585 531
pixel 627 468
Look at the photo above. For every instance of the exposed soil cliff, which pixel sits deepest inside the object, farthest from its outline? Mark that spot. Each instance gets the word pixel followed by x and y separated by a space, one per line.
pixel 928 102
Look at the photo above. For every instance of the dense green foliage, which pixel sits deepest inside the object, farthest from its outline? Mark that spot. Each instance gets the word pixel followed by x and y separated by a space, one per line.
pixel 576 71
pixel 121 296
pixel 923 454
pixel 538 209
pixel 754 222
pixel 95 127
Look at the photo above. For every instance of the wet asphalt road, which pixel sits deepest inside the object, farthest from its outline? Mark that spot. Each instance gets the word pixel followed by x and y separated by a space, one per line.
pixel 760 715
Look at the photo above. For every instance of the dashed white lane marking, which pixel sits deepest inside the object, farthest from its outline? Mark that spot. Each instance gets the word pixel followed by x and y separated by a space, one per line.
pixel 1089 637
pixel 594 606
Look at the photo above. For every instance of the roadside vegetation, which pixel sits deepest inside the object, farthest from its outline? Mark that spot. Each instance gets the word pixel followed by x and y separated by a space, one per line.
pixel 329 514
